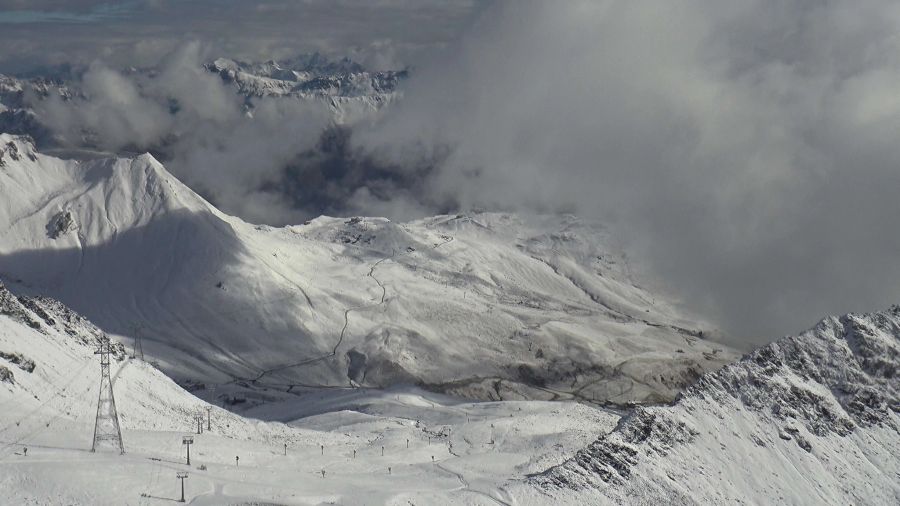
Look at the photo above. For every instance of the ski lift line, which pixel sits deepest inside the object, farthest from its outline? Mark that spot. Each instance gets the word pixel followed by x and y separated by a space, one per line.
pixel 158 468
pixel 40 428
pixel 47 400
pixel 180 322
pixel 50 421
pixel 64 408
pixel 70 354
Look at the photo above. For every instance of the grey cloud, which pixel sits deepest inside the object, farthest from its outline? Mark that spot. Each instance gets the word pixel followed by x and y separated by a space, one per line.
pixel 743 147
pixel 201 127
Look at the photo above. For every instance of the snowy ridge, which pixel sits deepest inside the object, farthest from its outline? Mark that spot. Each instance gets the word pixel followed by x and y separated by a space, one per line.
pixel 306 74
pixel 342 303
pixel 811 419
pixel 349 91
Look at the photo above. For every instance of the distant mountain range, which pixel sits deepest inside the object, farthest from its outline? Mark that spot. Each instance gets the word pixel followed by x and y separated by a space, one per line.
pixel 348 89
pixel 307 75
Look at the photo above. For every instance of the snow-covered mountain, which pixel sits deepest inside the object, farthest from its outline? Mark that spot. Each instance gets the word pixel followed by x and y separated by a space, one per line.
pixel 350 91
pixel 347 89
pixel 811 419
pixel 307 75
pixel 482 305
pixel 16 117
pixel 433 449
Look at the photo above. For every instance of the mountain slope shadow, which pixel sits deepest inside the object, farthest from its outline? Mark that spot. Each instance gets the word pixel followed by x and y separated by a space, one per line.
pixel 186 283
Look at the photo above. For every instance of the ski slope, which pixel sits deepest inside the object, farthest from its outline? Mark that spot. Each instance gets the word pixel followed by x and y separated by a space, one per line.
pixel 486 306
pixel 458 452
pixel 810 419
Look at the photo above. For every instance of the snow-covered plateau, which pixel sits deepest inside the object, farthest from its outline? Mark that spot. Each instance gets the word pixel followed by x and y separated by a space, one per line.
pixel 479 358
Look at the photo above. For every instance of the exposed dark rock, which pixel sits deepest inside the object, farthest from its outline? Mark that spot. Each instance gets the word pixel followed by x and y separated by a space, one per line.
pixel 6 375
pixel 24 363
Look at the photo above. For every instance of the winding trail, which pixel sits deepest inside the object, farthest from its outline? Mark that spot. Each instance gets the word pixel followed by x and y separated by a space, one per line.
pixel 340 340
pixel 340 337
pixel 466 487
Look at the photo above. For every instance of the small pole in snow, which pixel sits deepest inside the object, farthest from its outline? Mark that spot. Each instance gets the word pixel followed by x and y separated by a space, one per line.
pixel 407 443
pixel 237 461
pixel 285 449
pixel 208 419
pixel 354 454
pixel 187 441
pixel 323 449
pixel 382 451
pixel 181 475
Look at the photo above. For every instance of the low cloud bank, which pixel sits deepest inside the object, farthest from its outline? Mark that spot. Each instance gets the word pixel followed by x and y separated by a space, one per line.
pixel 232 154
pixel 746 149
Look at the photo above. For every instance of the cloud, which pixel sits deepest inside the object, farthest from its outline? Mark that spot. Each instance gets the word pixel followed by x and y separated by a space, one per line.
pixel 745 148
pixel 139 32
pixel 201 128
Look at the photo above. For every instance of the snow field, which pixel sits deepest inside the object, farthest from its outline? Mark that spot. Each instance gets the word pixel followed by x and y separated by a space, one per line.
pixel 55 405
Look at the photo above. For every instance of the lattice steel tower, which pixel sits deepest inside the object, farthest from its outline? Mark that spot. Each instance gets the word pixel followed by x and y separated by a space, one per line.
pixel 106 426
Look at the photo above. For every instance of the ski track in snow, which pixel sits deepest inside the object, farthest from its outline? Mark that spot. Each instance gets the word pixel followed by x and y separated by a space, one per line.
pixel 340 340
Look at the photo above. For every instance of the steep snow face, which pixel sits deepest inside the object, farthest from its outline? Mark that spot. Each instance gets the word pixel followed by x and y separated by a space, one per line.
pixel 482 305
pixel 811 419
pixel 50 350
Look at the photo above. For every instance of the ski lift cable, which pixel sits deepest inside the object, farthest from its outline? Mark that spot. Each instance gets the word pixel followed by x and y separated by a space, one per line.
pixel 59 391
pixel 45 425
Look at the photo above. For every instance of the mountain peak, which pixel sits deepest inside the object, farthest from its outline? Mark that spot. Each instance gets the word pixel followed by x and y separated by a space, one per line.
pixel 814 404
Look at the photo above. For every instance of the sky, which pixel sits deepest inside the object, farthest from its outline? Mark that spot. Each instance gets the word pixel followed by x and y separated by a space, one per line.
pixel 745 150
pixel 139 32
